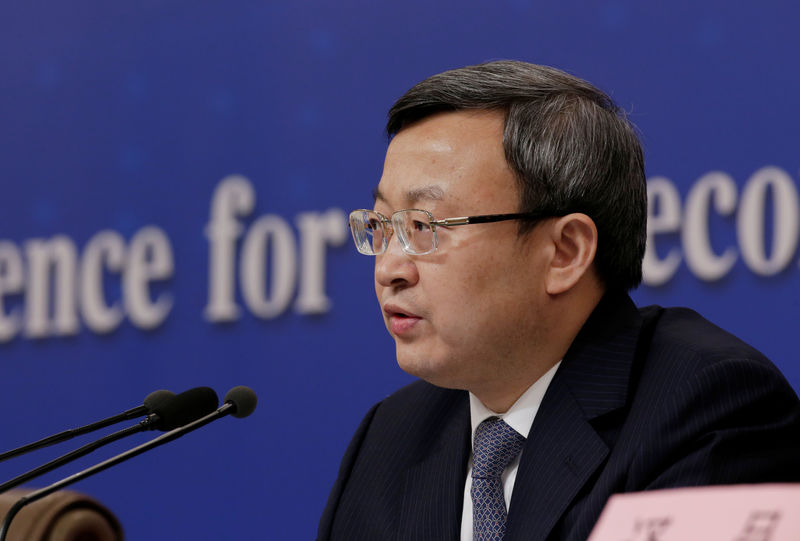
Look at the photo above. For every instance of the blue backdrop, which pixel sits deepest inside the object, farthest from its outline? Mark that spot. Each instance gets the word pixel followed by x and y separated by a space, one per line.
pixel 175 177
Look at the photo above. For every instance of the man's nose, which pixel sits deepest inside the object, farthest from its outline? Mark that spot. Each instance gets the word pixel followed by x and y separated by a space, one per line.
pixel 394 267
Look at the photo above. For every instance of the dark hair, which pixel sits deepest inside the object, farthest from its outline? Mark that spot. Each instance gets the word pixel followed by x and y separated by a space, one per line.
pixel 571 147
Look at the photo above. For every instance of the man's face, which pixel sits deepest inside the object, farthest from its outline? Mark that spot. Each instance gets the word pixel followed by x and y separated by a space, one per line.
pixel 469 314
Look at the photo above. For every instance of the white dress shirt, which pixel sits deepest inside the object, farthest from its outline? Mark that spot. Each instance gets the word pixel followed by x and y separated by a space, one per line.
pixel 519 417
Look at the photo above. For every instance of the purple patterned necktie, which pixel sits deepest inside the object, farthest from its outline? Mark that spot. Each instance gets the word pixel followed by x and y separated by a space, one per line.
pixel 496 446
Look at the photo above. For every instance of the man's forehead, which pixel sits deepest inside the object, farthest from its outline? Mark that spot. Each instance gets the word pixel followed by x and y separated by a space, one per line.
pixel 454 159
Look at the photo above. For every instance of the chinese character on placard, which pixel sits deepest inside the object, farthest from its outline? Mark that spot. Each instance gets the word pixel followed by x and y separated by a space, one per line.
pixel 650 529
pixel 759 526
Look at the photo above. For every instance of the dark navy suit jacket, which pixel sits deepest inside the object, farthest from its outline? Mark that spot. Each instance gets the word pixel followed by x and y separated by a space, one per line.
pixel 644 399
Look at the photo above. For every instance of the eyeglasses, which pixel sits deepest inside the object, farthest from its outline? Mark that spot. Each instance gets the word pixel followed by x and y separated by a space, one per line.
pixel 416 229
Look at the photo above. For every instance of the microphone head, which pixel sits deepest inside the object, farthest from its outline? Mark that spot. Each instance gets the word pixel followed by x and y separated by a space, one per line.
pixel 244 400
pixel 186 407
pixel 157 399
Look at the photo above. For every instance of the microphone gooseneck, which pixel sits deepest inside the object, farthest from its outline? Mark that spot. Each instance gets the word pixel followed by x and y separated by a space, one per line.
pixel 239 401
pixel 169 411
pixel 153 399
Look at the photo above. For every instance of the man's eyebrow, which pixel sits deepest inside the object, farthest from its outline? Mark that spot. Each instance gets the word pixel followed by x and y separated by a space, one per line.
pixel 433 192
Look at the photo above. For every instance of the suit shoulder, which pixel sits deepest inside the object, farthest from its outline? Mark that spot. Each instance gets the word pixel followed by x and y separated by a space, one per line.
pixel 683 334
pixel 689 355
pixel 715 410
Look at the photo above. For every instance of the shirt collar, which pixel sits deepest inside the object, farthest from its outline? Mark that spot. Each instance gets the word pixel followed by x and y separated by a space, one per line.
pixel 521 414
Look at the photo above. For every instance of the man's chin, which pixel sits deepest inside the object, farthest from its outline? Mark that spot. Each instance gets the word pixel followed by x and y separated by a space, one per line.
pixel 437 373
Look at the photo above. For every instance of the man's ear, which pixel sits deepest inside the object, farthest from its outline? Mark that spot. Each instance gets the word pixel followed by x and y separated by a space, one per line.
pixel 574 239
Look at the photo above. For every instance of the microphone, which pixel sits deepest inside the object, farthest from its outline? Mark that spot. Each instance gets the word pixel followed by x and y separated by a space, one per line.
pixel 151 402
pixel 181 409
pixel 169 412
pixel 240 402
pixel 243 399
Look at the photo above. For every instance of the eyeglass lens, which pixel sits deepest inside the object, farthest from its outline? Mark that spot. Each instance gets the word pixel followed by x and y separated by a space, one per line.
pixel 368 231
pixel 415 230
pixel 413 227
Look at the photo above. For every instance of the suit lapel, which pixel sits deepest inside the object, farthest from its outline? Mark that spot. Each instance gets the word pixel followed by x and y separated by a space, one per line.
pixel 563 449
pixel 434 484
pixel 561 453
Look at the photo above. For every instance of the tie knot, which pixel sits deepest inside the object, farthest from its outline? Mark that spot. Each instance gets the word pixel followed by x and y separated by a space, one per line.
pixel 496 446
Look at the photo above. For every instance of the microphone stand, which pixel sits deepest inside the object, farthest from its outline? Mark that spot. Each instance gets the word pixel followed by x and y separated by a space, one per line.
pixel 77 453
pixel 224 410
pixel 68 434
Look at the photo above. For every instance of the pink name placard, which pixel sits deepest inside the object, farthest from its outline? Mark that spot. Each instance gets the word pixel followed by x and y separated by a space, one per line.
pixel 769 512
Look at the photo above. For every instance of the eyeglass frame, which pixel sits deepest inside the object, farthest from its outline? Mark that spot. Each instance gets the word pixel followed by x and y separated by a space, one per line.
pixel 444 222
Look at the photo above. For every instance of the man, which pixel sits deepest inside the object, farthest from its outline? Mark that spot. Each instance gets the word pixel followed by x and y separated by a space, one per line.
pixel 508 226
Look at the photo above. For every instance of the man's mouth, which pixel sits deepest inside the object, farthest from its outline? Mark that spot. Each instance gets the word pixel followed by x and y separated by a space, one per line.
pixel 401 321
